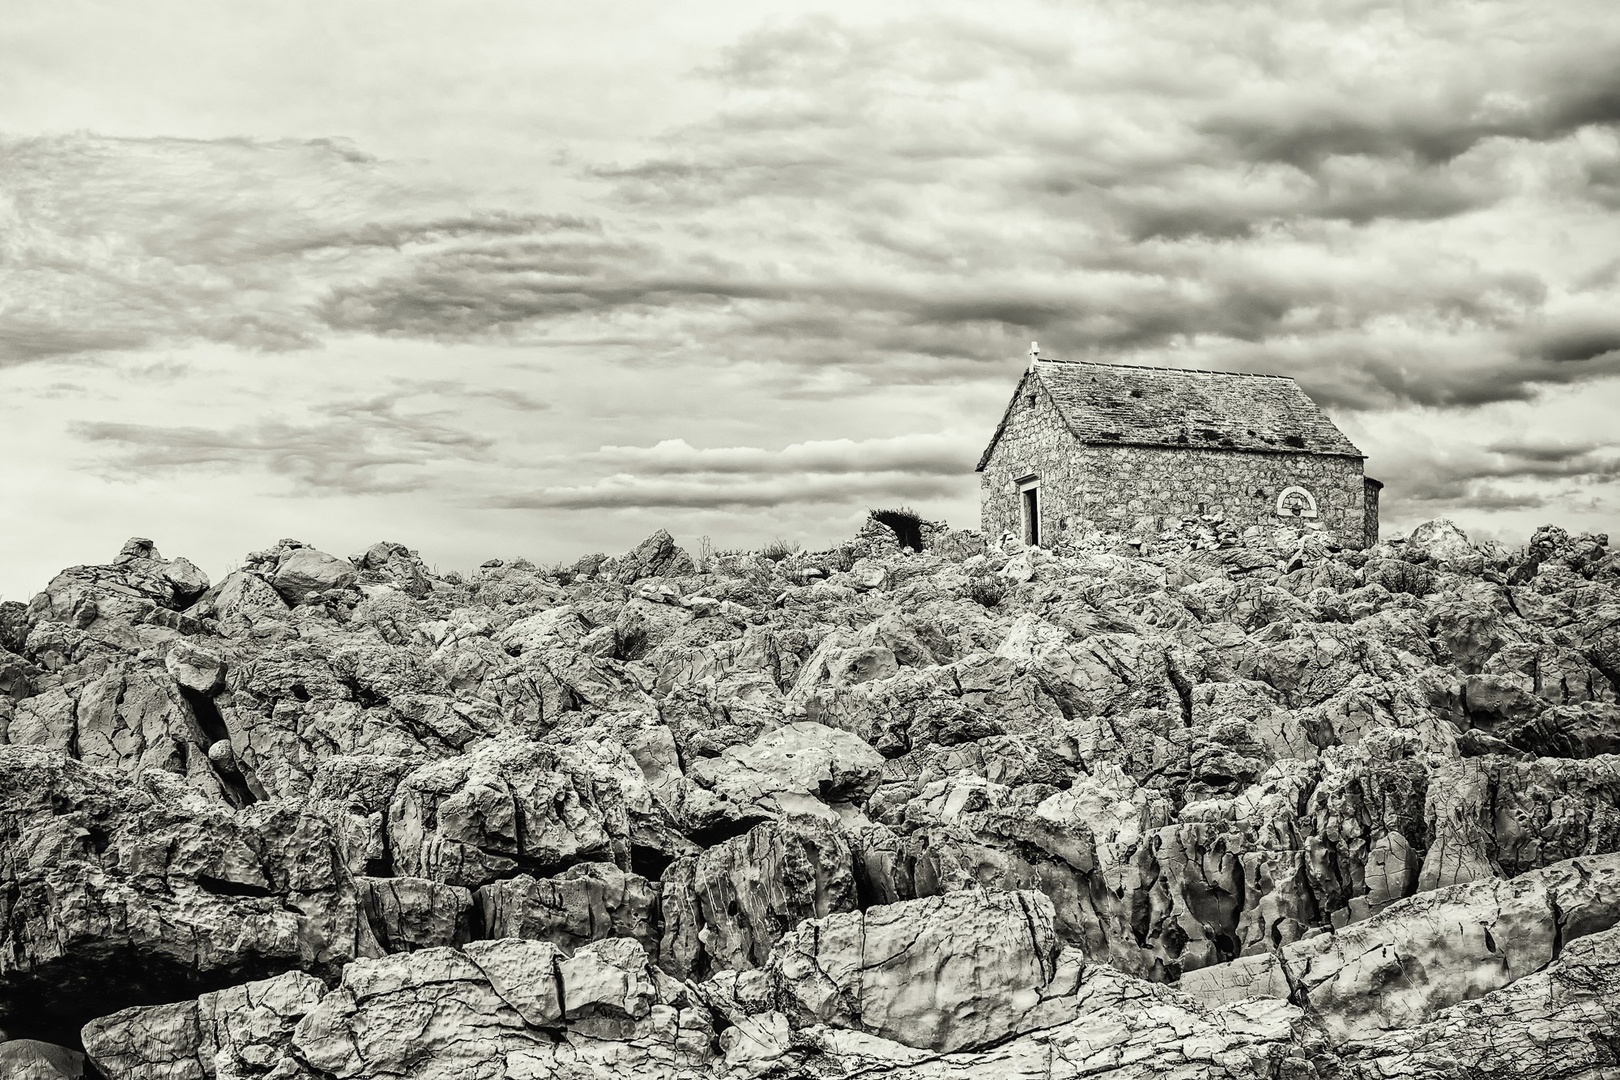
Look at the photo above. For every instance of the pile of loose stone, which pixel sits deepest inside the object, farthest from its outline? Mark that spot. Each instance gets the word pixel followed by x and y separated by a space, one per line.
pixel 1186 802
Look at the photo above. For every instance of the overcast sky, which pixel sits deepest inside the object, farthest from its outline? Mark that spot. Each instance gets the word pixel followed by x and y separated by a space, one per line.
pixel 527 278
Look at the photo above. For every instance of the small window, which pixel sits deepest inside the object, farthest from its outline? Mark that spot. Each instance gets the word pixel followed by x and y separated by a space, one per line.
pixel 1029 399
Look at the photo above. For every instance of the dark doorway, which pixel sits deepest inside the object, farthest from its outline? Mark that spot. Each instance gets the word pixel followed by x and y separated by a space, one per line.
pixel 1032 514
pixel 905 522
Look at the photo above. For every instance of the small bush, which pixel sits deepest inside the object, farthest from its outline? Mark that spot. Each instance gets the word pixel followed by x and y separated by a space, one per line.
pixel 632 643
pixel 778 549
pixel 987 589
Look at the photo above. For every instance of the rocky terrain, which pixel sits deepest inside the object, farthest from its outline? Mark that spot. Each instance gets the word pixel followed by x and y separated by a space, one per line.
pixel 1179 803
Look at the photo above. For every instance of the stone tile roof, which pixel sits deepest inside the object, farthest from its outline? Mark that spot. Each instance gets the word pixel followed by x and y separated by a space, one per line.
pixel 1127 405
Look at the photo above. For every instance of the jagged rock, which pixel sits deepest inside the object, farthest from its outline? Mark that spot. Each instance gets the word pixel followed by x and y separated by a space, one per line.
pixel 1557 1023
pixel 30 1059
pixel 505 807
pixel 1202 749
pixel 656 556
pixel 127 892
pixel 1494 817
pixel 195 667
pixel 753 888
pixel 306 573
pixel 945 973
pixel 585 903
pixel 406 914
pixel 130 718
pixel 135 583
pixel 241 1031
pixel 1399 968
pixel 13 625
pixel 506 1008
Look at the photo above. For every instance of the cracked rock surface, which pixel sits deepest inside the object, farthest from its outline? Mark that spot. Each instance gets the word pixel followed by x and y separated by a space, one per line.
pixel 1176 802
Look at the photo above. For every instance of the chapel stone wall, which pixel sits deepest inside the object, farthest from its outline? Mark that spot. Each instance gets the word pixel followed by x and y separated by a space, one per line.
pixel 1371 488
pixel 1111 486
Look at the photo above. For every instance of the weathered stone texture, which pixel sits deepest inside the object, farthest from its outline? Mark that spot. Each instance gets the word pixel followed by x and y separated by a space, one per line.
pixel 969 811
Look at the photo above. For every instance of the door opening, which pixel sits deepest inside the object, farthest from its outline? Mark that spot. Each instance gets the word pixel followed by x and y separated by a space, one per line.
pixel 1029 495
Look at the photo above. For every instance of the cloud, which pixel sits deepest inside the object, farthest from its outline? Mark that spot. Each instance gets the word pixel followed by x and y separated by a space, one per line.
pixel 675 474
pixel 118 244
pixel 362 447
pixel 1510 473
pixel 447 389
pixel 628 491
pixel 944 454
pixel 1236 185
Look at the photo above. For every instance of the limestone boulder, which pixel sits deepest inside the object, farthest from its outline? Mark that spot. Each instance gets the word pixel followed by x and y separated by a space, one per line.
pixel 238 1032
pixel 128 892
pixel 945 973
pixel 752 889
pixel 1445 545
pixel 506 807
pixel 797 767
pixel 13 625
pixel 405 914
pixel 506 1008
pixel 196 667
pixel 131 718
pixel 306 573
pixel 244 606
pixel 1401 967
pixel 393 567
pixel 1113 1026
pixel 138 582
pixel 585 903
pixel 30 1059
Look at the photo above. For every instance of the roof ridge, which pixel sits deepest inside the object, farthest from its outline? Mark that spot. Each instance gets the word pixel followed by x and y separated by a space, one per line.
pixel 1160 367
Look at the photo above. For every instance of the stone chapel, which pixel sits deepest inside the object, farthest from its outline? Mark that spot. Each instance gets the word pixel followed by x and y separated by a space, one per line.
pixel 1111 443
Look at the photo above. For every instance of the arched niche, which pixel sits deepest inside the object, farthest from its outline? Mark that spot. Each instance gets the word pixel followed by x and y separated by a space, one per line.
pixel 1295 502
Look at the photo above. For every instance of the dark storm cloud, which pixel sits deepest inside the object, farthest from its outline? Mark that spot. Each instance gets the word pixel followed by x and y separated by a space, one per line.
pixel 1474 369
pixel 1428 127
pixel 362 447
